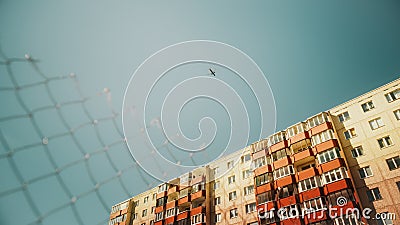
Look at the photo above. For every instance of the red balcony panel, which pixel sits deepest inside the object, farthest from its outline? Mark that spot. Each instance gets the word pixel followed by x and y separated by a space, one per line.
pixel 183 200
pixel 122 223
pixel 316 217
pixel 182 215
pixel 334 164
pixel 161 194
pixel 113 215
pixel 310 194
pixel 285 181
pixel 336 186
pixel 341 210
pixel 322 127
pixel 262 170
pixel 303 154
pixel 307 173
pixel 266 206
pixel 259 154
pixel 278 146
pixel 282 162
pixel 169 220
pixel 171 204
pixel 197 210
pixel 173 190
pixel 291 221
pixel 199 194
pixel 287 201
pixel 326 145
pixel 263 188
pixel 159 209
pixel 161 222
pixel 298 137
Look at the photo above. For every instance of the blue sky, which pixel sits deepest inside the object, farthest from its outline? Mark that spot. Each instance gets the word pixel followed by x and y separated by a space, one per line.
pixel 315 54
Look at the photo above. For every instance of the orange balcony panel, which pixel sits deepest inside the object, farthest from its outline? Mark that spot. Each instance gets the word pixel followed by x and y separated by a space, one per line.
pixel 169 220
pixel 263 188
pixel 336 186
pixel 184 200
pixel 173 190
pixel 282 162
pixel 159 209
pixel 161 222
pixel 307 173
pixel 278 146
pixel 171 204
pixel 310 194
pixel 285 181
pixel 287 201
pixel 334 164
pixel 316 217
pixel 262 170
pixel 320 128
pixel 161 194
pixel 345 208
pixel 197 180
pixel 298 137
pixel 113 215
pixel 291 221
pixel 124 211
pixel 122 223
pixel 303 154
pixel 197 210
pixel 199 194
pixel 182 215
pixel 259 154
pixel 326 145
pixel 266 206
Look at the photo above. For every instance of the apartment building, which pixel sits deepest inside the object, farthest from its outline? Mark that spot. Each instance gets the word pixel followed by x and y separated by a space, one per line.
pixel 337 161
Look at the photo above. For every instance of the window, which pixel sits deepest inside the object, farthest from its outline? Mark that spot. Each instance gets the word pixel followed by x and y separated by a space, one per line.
pixel 283 172
pixel 276 138
pixel 162 188
pixel 259 162
pixel 117 219
pixel 199 218
pixel 170 212
pixel 385 142
pixel 159 216
pixel 161 201
pixel 280 154
pixel 398 185
pixel 309 183
pixel 146 199
pixel 296 129
pixel 365 172
pixel 135 216
pixel 393 96
pixel 217 201
pixel 216 185
pixel 216 170
pixel 218 217
pixel 376 123
pixel 144 213
pixel 322 137
pixel 246 158
pixel 232 195
pixel 374 194
pixel 154 196
pixel 136 203
pixel 313 205
pixel 397 114
pixel 346 220
pixel 233 213
pixel 350 133
pixel 119 207
pixel 153 209
pixel 198 187
pixel 317 120
pixel 247 173
pixel 385 218
pixel 334 175
pixel 357 151
pixel 287 191
pixel 265 197
pixel 231 179
pixel 250 207
pixel 143 224
pixel 290 211
pixel 393 163
pixel 344 116
pixel 230 164
pixel 263 179
pixel 249 190
pixel 367 106
pixel 151 222
pixel 333 197
pixel 328 155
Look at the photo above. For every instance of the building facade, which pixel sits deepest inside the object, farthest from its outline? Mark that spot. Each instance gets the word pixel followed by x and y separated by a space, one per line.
pixel 320 171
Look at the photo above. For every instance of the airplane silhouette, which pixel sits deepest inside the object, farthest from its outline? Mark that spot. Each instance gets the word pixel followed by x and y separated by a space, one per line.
pixel 212 72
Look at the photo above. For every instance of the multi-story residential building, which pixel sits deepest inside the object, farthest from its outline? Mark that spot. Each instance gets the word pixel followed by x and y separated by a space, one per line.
pixel 324 168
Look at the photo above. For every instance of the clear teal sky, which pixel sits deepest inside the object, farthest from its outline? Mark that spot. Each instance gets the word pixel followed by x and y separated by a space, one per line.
pixel 315 54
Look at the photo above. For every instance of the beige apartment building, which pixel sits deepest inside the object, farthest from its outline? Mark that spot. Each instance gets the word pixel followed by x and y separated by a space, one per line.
pixel 350 151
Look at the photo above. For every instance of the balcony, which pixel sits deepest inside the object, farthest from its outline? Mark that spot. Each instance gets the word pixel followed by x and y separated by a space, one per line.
pixel 331 165
pixel 265 207
pixel 326 145
pixel 160 209
pixel 322 127
pixel 282 162
pixel 161 222
pixel 262 170
pixel 345 208
pixel 198 179
pixel 338 185
pixel 278 146
pixel 310 194
pixel 161 194
pixel 318 216
pixel 298 137
pixel 173 189
pixel 290 200
pixel 259 154
pixel 291 221
pixel 182 215
pixel 199 194
pixel 171 204
pixel 169 220
pixel 184 200
pixel 263 188
pixel 307 173
pixel 285 181
pixel 197 210
pixel 303 154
